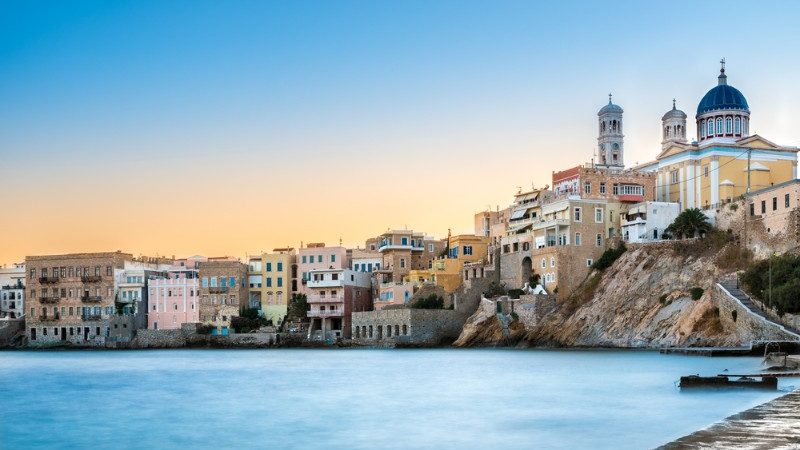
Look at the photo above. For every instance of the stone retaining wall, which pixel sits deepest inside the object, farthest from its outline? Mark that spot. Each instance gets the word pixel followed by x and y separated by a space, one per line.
pixel 414 327
pixel 752 327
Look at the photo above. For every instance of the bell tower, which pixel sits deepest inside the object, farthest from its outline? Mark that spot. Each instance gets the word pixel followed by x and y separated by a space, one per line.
pixel 610 151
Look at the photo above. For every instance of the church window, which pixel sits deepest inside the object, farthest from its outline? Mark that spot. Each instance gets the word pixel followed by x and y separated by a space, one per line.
pixel 705 171
pixel 710 127
pixel 738 126
pixel 702 129
pixel 673 175
pixel 728 125
pixel 719 125
pixel 615 146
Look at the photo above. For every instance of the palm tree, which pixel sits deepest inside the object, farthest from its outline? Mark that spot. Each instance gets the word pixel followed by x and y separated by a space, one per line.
pixel 690 223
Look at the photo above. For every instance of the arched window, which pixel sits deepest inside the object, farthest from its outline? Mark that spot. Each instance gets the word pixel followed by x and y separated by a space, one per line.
pixel 719 126
pixel 405 330
pixel 710 128
pixel 738 126
pixel 728 125
pixel 702 129
pixel 666 133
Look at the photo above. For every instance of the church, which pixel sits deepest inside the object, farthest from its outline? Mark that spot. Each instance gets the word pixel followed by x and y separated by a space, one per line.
pixel 723 162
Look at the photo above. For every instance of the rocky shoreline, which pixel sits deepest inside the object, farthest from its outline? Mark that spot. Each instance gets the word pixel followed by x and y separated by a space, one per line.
pixel 772 425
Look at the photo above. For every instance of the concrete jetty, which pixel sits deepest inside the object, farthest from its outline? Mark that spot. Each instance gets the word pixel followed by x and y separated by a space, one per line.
pixel 773 425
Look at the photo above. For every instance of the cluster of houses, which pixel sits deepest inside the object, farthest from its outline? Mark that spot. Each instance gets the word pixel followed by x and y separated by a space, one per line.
pixel 549 235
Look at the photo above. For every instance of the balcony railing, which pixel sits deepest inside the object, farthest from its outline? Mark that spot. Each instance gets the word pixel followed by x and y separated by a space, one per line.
pixel 50 299
pixel 88 317
pixel 218 289
pixel 91 298
pixel 49 318
pixel 325 298
pixel 45 280
pixel 91 278
pixel 325 313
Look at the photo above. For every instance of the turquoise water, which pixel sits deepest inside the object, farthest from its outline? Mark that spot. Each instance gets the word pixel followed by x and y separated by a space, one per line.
pixel 358 399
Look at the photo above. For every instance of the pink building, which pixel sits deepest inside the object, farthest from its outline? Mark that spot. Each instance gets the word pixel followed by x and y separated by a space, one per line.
pixel 319 257
pixel 172 301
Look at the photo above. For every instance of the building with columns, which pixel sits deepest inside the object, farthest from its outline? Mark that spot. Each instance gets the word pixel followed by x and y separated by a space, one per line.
pixel 724 160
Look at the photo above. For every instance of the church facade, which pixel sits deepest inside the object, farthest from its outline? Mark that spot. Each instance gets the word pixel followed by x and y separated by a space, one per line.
pixel 724 161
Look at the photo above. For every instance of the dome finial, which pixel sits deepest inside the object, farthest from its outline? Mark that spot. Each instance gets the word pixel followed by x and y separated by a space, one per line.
pixel 609 98
pixel 673 104
pixel 722 79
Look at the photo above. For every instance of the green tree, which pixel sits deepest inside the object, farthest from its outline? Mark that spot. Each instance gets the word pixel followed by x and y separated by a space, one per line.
pixel 298 307
pixel 432 301
pixel 690 223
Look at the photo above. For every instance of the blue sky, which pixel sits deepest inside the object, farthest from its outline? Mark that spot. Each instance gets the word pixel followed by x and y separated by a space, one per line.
pixel 164 92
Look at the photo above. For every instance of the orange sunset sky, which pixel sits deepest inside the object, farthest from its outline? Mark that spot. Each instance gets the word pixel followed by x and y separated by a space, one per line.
pixel 216 132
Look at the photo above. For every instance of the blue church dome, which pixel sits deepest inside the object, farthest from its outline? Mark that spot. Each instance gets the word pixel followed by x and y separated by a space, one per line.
pixel 721 97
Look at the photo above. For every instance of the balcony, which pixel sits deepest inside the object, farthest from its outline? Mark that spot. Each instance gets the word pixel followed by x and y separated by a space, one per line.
pixel 48 280
pixel 314 298
pixel 49 318
pixel 91 278
pixel 91 298
pixel 551 223
pixel 90 317
pixel 632 198
pixel 51 299
pixel 325 313
pixel 218 290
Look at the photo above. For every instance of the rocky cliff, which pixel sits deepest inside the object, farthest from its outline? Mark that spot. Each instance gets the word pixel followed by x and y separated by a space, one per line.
pixel 643 300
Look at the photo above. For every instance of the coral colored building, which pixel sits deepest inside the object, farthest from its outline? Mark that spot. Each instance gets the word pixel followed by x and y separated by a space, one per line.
pixel 173 300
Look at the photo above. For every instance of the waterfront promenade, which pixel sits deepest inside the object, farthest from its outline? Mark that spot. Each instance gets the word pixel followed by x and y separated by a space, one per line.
pixel 773 425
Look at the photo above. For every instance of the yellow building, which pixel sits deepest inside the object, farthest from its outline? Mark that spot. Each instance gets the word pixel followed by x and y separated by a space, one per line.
pixel 270 282
pixel 446 272
pixel 714 168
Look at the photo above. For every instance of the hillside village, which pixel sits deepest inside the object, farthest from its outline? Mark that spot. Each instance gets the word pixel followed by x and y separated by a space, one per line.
pixel 600 255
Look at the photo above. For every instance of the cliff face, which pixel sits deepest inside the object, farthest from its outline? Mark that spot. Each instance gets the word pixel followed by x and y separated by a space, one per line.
pixel 642 300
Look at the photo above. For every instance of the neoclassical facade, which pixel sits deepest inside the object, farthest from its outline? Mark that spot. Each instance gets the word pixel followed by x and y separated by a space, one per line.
pixel 724 160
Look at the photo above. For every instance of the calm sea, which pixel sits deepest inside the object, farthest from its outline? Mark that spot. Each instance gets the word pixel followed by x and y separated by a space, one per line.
pixel 358 399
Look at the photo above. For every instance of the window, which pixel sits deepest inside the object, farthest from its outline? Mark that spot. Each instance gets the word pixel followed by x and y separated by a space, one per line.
pixel 587 187
pixel 109 271
pixel 232 282
pixel 602 188
pixel 738 126
pixel 404 241
pixel 304 259
pixel 763 207
pixel 577 239
pixel 280 281
pixel 544 263
pixel 615 189
pixel 599 239
pixel 710 127
pixel 752 209
pixel 552 261
pixel 786 200
pixel 467 249
pixel 97 271
pixel 577 211
pixel 213 281
pixel 205 281
pixel 774 203
pixel 269 282
pixel 719 125
pixel 430 248
pixel 598 215
pixel 319 258
pixel 280 267
pixel 589 262
pixel 728 125
pixel 333 258
pixel 402 263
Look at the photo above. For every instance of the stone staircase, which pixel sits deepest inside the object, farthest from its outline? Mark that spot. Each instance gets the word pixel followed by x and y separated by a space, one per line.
pixel 732 287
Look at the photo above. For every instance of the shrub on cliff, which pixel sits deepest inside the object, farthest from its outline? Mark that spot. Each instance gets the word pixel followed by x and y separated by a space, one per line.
pixel 608 257
pixel 785 282
pixel 515 293
pixel 495 290
pixel 696 293
pixel 432 301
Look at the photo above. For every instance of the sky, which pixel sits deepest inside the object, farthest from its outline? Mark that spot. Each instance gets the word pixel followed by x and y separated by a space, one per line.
pixel 230 128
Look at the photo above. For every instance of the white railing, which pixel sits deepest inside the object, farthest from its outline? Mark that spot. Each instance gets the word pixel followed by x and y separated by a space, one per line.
pixel 326 313
pixel 325 298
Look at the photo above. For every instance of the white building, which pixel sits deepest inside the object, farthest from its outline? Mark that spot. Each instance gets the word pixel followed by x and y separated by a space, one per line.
pixel 646 221
pixel 12 291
